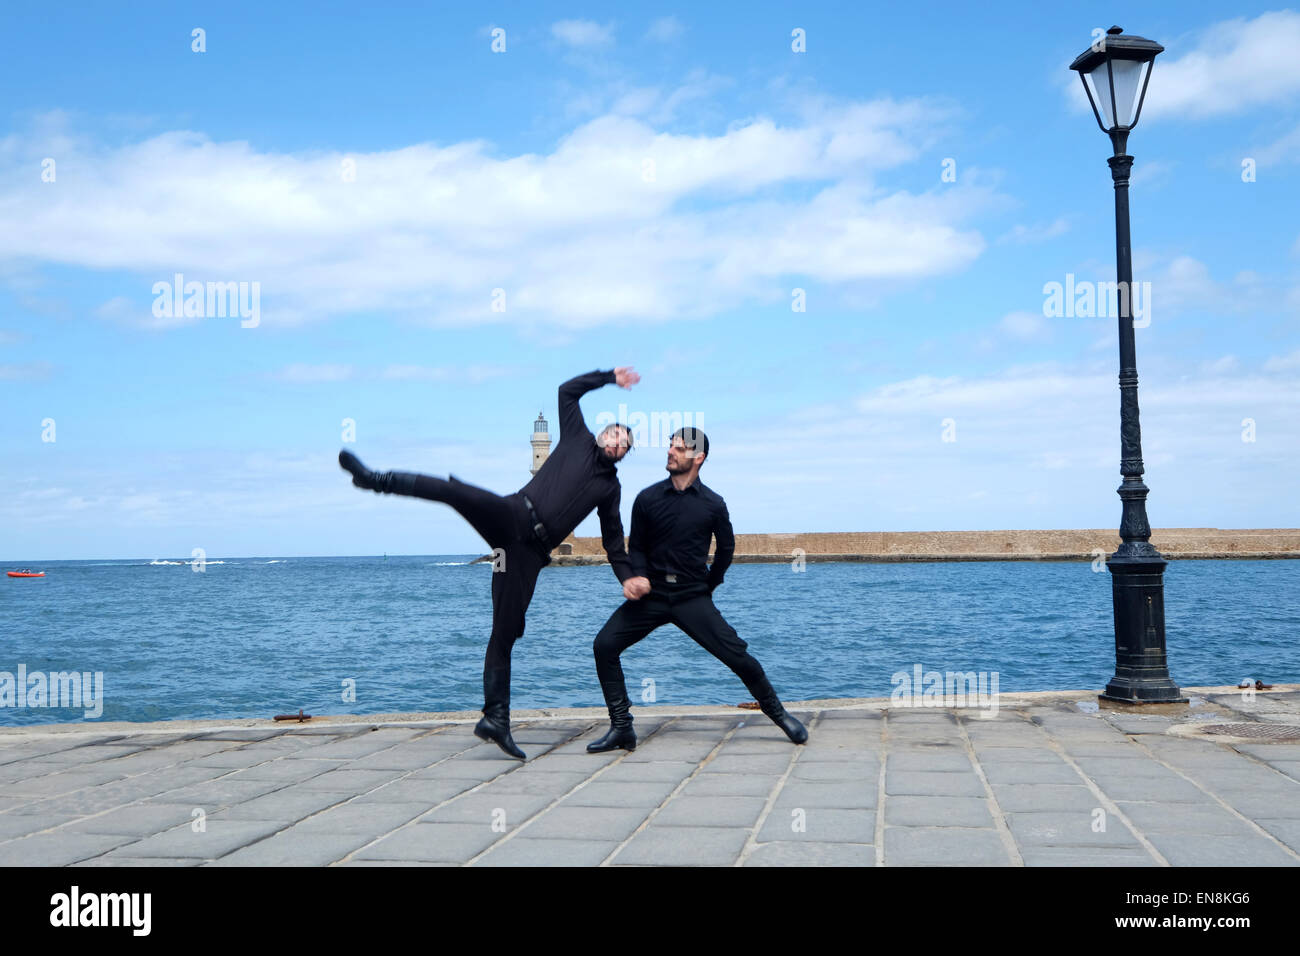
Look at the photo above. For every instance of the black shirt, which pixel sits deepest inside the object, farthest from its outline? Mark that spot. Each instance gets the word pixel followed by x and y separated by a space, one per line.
pixel 671 531
pixel 578 476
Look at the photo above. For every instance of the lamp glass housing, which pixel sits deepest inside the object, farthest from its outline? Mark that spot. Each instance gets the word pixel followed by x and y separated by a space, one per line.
pixel 1127 78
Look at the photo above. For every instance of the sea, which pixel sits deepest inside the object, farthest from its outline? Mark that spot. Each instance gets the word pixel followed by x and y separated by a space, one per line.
pixel 257 637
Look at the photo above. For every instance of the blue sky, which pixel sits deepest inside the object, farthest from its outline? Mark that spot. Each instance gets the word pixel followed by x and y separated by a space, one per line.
pixel 645 186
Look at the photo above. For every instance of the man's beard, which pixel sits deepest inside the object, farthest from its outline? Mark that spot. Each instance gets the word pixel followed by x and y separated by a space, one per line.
pixel 681 469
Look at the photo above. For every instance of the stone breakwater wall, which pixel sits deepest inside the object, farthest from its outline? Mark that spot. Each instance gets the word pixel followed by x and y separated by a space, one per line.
pixel 1068 545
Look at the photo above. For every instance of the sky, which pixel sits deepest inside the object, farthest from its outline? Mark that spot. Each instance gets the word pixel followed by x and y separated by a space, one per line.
pixel 827 235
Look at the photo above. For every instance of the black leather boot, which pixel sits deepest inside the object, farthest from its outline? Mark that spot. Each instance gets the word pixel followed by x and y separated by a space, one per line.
pixel 380 482
pixel 495 725
pixel 620 733
pixel 771 705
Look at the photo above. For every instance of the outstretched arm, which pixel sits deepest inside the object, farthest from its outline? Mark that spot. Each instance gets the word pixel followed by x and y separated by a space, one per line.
pixel 611 535
pixel 726 547
pixel 571 422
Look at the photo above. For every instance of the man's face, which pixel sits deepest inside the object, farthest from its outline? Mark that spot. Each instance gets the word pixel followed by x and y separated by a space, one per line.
pixel 614 442
pixel 680 458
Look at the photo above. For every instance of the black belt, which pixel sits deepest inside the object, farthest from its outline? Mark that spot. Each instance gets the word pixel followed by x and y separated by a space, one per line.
pixel 668 579
pixel 539 529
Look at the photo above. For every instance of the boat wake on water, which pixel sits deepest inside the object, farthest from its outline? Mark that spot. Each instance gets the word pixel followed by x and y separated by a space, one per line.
pixel 157 563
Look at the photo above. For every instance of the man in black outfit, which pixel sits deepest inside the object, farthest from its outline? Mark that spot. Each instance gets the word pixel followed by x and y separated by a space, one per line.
pixel 672 522
pixel 580 474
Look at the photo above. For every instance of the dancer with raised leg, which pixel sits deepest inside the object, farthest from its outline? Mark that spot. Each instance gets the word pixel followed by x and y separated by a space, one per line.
pixel 580 474
pixel 672 522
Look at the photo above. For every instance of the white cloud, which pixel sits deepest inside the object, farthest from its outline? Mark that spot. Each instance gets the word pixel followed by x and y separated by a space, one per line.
pixel 1234 65
pixel 1221 366
pixel 1185 283
pixel 304 374
pixel 1283 363
pixel 471 374
pixel 1038 232
pixel 582 33
pixel 1150 172
pixel 1285 149
pixel 652 103
pixel 664 29
pixel 25 372
pixel 576 237
pixel 1026 326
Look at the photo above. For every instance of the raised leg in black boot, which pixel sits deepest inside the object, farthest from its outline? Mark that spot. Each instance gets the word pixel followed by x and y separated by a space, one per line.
pixel 495 517
pixel 380 482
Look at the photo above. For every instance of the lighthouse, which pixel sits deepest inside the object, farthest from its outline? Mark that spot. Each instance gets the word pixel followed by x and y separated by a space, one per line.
pixel 541 443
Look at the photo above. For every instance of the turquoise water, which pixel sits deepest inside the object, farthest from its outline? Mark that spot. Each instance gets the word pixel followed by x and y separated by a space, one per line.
pixel 255 637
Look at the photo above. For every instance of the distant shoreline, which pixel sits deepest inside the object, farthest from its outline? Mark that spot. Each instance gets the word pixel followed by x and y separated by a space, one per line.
pixel 1015 545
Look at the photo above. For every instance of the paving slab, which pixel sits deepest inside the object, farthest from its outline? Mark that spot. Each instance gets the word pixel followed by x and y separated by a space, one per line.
pixel 138 821
pixel 928 761
pixel 810 853
pixel 827 794
pixel 1044 796
pixel 433 842
pixel 1186 849
pixel 808 768
pixel 734 784
pixel 710 811
pixel 925 811
pixel 944 846
pixel 375 819
pixel 921 783
pixel 504 810
pixel 217 838
pixel 818 825
pixel 1032 771
pixel 683 846
pixel 522 851
pixel 648 794
pixel 1284 831
pixel 293 848
pixel 595 823
pixel 57 848
pixel 1079 828
pixel 1084 856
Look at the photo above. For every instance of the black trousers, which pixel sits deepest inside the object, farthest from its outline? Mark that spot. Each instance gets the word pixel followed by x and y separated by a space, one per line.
pixel 690 607
pixel 503 522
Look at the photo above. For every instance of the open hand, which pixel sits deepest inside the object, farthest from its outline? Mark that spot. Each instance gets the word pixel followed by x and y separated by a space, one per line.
pixel 625 378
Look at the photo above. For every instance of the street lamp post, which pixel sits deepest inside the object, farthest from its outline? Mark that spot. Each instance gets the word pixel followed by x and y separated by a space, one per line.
pixel 1115 71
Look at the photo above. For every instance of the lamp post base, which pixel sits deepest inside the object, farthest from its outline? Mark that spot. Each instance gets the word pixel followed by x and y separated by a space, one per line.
pixel 1141 665
pixel 1169 693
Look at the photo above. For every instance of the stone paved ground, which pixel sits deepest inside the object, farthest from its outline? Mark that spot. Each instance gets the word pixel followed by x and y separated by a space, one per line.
pixel 1044 782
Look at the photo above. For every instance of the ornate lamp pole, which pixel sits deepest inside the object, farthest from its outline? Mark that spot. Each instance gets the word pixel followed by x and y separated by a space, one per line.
pixel 1115 71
